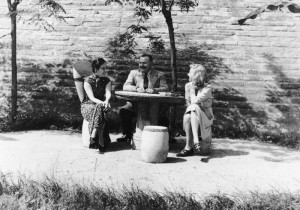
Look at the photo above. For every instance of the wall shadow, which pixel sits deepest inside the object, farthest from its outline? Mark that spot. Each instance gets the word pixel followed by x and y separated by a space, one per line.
pixel 47 96
pixel 235 117
pixel 285 99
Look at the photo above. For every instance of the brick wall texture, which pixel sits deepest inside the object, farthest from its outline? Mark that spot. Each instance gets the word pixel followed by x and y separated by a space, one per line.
pixel 254 68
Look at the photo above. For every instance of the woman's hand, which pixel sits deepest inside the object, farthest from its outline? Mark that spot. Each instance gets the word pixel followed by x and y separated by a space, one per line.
pixel 101 103
pixel 106 105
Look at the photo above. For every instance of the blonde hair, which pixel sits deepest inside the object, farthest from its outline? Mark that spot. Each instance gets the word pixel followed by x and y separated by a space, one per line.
pixel 199 75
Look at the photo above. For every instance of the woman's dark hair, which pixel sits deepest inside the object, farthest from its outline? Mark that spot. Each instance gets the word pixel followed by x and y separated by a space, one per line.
pixel 97 63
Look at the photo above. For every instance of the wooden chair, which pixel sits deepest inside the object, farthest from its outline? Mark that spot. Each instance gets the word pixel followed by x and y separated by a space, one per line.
pixel 81 70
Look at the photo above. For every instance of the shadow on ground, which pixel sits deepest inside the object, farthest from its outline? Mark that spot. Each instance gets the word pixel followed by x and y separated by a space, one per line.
pixel 118 146
pixel 5 138
pixel 265 151
pixel 175 160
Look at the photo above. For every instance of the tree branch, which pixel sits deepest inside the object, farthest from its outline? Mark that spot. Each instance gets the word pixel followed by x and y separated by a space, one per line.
pixel 16 3
pixel 163 5
pixel 9 5
pixel 4 35
pixel 171 4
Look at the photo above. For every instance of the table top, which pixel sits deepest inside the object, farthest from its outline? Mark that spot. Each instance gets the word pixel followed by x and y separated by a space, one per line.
pixel 161 98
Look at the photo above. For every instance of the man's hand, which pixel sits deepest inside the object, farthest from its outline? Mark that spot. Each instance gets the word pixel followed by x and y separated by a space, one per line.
pixel 140 90
pixel 151 91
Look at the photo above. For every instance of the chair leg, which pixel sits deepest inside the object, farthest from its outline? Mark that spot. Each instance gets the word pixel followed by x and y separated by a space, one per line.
pixel 85 134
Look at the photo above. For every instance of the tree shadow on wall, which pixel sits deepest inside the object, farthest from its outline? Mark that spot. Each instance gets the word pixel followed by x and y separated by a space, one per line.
pixel 47 97
pixel 214 65
pixel 285 102
pixel 235 117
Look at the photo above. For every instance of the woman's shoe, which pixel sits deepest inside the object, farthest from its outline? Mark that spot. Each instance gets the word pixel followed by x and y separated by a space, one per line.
pixel 198 147
pixel 101 149
pixel 93 144
pixel 185 153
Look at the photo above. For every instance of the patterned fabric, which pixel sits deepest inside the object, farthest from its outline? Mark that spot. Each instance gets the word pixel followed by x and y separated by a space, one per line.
pixel 94 113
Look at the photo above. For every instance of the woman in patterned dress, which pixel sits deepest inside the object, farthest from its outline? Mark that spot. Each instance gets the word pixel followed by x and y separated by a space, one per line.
pixel 198 114
pixel 95 106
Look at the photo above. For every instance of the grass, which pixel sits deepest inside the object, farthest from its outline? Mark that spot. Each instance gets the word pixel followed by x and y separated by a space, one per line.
pixel 49 193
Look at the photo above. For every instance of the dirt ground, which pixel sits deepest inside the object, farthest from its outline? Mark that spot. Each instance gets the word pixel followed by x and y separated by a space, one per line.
pixel 235 166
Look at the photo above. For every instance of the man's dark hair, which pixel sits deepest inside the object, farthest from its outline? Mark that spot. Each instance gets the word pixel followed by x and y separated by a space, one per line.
pixel 149 56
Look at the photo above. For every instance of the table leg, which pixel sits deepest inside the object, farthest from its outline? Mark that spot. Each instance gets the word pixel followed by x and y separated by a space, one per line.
pixel 147 114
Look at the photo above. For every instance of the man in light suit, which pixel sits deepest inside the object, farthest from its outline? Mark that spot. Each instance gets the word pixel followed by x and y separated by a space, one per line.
pixel 142 80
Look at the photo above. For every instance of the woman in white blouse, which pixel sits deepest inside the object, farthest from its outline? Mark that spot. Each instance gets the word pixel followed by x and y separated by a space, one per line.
pixel 198 115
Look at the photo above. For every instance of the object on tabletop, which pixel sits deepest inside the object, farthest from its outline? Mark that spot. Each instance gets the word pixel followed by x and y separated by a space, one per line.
pixel 169 94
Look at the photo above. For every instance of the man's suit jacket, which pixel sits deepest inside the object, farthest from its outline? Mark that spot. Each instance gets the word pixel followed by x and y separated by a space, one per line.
pixel 157 81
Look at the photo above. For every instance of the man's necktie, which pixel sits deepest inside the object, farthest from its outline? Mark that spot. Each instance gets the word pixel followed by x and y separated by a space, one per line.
pixel 145 81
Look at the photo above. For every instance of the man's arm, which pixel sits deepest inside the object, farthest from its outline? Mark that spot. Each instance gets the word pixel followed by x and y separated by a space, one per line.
pixel 163 86
pixel 129 84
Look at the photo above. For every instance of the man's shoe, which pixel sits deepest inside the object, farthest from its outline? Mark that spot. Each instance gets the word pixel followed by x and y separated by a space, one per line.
pixel 125 138
pixel 172 140
pixel 185 153
pixel 93 146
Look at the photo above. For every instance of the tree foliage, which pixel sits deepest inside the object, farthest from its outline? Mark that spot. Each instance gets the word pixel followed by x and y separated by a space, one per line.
pixel 292 7
pixel 41 13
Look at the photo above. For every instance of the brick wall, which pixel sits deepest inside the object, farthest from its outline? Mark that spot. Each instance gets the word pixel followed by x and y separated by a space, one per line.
pixel 254 67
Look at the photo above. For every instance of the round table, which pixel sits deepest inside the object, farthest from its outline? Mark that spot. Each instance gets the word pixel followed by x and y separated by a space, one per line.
pixel 147 109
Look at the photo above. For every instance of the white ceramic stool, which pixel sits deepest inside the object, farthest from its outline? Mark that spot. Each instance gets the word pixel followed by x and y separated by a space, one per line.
pixel 155 144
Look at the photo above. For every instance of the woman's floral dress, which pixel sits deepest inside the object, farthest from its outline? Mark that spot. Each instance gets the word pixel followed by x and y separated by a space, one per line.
pixel 92 112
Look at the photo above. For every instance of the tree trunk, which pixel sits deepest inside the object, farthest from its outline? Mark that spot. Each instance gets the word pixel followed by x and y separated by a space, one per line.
pixel 168 16
pixel 14 88
pixel 169 21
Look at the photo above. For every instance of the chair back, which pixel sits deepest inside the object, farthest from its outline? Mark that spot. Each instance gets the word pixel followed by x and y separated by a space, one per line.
pixel 80 71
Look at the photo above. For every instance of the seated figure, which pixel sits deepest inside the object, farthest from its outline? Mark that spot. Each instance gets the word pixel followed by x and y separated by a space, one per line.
pixel 198 114
pixel 94 96
pixel 143 80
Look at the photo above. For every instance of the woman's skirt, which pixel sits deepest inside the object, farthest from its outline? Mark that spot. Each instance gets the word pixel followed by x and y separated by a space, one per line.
pixel 95 114
pixel 205 119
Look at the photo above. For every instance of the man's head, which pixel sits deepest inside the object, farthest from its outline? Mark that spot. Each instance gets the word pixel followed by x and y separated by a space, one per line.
pixel 145 63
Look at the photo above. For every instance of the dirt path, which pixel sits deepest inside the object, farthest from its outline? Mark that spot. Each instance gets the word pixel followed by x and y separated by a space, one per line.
pixel 235 166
